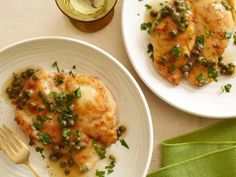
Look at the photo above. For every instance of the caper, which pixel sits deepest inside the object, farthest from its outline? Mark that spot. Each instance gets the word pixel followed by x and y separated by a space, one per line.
pixel 176 2
pixel 70 162
pixel 77 148
pixel 64 143
pixel 190 64
pixel 24 75
pixel 185 68
pixel 67 171
pixel 231 65
pixel 53 157
pixel 175 16
pixel 32 106
pixel 186 74
pixel 42 93
pixel 122 128
pixel 82 145
pixel 71 122
pixel 153 13
pixel 56 148
pixel 220 59
pixel 212 62
pixel 118 132
pixel 34 77
pixel 223 71
pixel 195 52
pixel 187 55
pixel 72 144
pixel 173 33
pixel 51 107
pixel 64 123
pixel 63 164
pixel 27 93
pixel 29 72
pixel 18 80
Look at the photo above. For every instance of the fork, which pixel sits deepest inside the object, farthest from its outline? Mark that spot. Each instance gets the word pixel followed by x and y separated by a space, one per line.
pixel 14 148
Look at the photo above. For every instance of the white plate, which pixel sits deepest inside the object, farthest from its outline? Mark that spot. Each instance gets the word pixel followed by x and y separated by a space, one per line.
pixel 132 106
pixel 207 101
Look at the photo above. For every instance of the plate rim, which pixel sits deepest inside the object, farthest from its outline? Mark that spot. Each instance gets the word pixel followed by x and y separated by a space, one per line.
pixel 116 62
pixel 149 85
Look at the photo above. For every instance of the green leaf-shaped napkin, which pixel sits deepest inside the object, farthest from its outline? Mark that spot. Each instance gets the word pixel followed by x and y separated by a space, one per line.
pixel 210 152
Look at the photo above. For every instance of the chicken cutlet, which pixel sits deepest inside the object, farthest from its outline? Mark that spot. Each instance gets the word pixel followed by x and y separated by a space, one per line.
pixel 73 116
pixel 188 37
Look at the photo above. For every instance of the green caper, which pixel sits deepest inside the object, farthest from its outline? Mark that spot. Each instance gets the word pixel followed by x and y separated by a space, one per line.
pixel 64 123
pixel 223 71
pixel 34 77
pixel 153 13
pixel 53 157
pixel 196 52
pixel 82 145
pixel 63 164
pixel 77 148
pixel 220 59
pixel 42 93
pixel 118 132
pixel 122 128
pixel 190 64
pixel 185 68
pixel 51 107
pixel 70 162
pixel 27 93
pixel 18 81
pixel 231 65
pixel 176 2
pixel 71 122
pixel 29 72
pixel 67 171
pixel 212 62
pixel 173 33
pixel 64 143
pixel 24 75
pixel 56 148
pixel 186 74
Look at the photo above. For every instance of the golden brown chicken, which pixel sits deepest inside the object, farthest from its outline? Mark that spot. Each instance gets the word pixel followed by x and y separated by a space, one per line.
pixel 73 116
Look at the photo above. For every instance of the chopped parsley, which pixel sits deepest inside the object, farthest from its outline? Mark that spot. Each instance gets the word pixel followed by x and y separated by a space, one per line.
pixel 59 80
pixel 53 94
pixel 226 5
pixel 226 88
pixel 37 125
pixel 31 143
pixel 228 35
pixel 201 79
pixel 173 33
pixel 150 50
pixel 101 151
pixel 148 6
pixel 111 165
pixel 66 133
pixel 45 139
pixel 172 69
pixel 77 134
pixel 100 173
pixel 213 73
pixel 77 93
pixel 176 51
pixel 123 143
pixel 38 149
pixel 55 65
pixel 45 100
pixel 147 26
pixel 72 74
pixel 200 42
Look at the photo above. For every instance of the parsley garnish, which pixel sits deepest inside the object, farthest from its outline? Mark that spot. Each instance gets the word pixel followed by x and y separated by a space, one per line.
pixel 45 139
pixel 150 50
pixel 110 167
pixel 55 65
pixel 53 94
pixel 31 143
pixel 85 169
pixel 100 173
pixel 228 35
pixel 66 133
pixel 77 134
pixel 77 93
pixel 123 143
pixel 59 80
pixel 213 73
pixel 38 149
pixel 200 42
pixel 45 100
pixel 235 38
pixel 201 79
pixel 37 125
pixel 101 151
pixel 226 88
pixel 147 26
pixel 172 69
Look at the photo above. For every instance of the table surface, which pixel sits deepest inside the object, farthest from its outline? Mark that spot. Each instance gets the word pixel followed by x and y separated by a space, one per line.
pixel 26 19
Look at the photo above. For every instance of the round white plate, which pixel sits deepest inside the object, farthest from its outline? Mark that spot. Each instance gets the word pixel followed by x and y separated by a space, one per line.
pixel 208 101
pixel 132 106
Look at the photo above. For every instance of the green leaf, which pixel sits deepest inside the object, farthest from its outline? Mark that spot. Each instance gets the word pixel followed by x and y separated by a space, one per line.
pixel 200 41
pixel 201 79
pixel 77 93
pixel 226 88
pixel 123 143
pixel 59 80
pixel 45 139
pixel 228 35
pixel 176 51
pixel 101 151
pixel 226 5
pixel 55 65
pixel 66 133
pixel 37 125
pixel 100 173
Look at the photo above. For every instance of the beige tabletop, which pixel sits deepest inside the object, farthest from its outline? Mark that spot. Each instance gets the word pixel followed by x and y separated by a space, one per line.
pixel 22 19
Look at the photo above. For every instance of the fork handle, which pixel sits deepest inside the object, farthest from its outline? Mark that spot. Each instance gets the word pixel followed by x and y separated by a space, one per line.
pixel 32 169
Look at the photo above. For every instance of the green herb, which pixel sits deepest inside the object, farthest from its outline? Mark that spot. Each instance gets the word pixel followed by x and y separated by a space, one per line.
pixel 213 73
pixel 55 65
pixel 164 11
pixel 228 35
pixel 226 88
pixel 85 169
pixel 77 93
pixel 176 51
pixel 146 26
pixel 72 74
pixel 123 143
pixel 53 94
pixel 172 69
pixel 66 133
pixel 226 5
pixel 40 109
pixel 45 100
pixel 150 50
pixel 37 125
pixel 45 139
pixel 59 80
pixel 200 41
pixel 111 165
pixel 164 59
pixel 209 33
pixel 201 79
pixel 31 143
pixel 42 118
pixel 100 173
pixel 173 33
pixel 77 134
pixel 101 151
pixel 148 6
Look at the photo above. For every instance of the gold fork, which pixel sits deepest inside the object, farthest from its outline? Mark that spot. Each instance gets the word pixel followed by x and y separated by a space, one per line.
pixel 14 148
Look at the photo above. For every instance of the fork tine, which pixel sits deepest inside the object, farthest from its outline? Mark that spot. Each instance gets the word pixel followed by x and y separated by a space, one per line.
pixel 9 139
pixel 7 150
pixel 20 142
